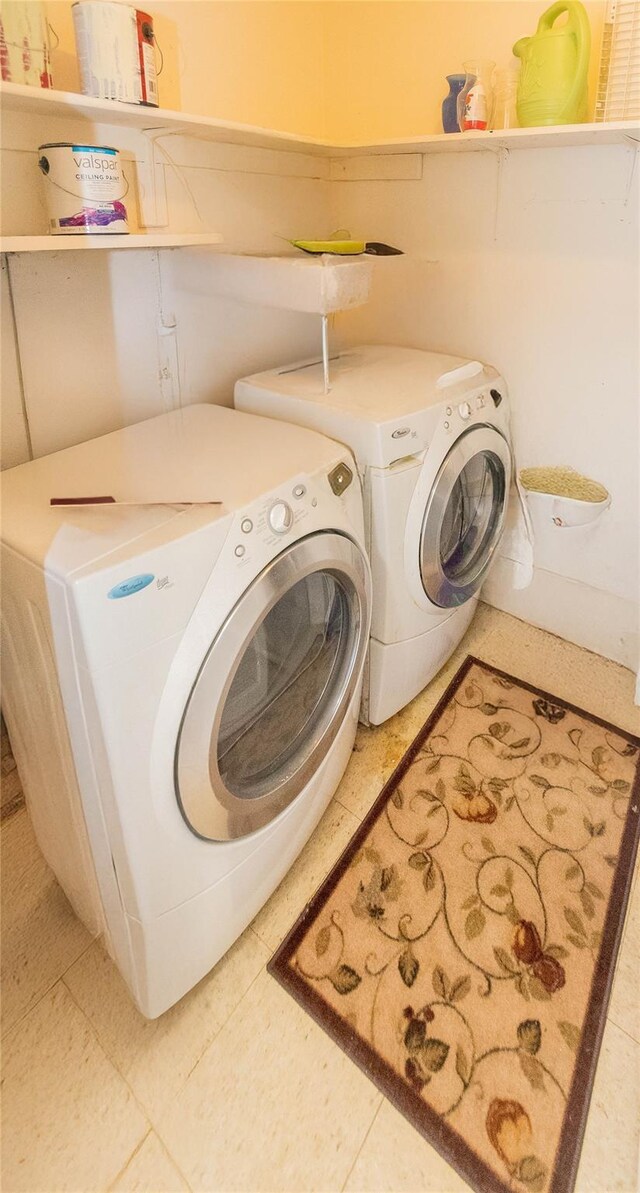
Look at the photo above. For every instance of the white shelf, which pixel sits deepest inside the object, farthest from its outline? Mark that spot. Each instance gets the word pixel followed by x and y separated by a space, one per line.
pixel 132 240
pixel 558 136
pixel 315 285
pixel 36 102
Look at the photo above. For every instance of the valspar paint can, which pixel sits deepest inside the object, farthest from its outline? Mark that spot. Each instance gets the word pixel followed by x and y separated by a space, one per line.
pixel 108 50
pixel 24 43
pixel 84 187
pixel 146 50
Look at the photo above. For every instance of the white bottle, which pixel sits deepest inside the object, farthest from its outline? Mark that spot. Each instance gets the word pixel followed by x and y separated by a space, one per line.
pixel 475 108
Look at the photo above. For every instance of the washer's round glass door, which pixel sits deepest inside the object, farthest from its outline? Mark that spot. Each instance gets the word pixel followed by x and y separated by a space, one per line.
pixel 273 689
pixel 464 517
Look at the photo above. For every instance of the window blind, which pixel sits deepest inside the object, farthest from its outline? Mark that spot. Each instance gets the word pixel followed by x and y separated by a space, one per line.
pixel 618 95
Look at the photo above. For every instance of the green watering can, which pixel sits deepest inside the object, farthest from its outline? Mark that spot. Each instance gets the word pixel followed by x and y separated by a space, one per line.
pixel 552 88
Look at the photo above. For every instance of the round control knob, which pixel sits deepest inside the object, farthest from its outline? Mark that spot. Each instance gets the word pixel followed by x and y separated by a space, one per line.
pixel 464 410
pixel 280 517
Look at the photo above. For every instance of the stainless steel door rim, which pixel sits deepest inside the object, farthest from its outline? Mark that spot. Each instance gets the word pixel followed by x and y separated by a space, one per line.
pixel 443 589
pixel 211 809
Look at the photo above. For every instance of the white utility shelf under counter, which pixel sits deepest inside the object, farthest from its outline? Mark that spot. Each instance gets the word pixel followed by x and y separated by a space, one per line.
pixel 317 285
pixel 130 240
pixel 33 101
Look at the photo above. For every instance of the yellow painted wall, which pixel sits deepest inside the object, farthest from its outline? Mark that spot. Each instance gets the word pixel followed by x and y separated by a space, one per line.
pixel 345 70
pixel 255 61
pixel 387 59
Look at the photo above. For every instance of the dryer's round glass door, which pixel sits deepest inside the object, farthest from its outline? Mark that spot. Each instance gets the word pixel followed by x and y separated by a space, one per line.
pixel 274 688
pixel 464 516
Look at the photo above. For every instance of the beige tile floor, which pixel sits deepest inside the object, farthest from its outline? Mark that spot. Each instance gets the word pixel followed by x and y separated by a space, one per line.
pixel 236 1088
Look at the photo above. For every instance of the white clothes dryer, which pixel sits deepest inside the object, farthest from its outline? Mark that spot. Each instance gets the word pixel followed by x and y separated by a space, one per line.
pixel 430 434
pixel 182 681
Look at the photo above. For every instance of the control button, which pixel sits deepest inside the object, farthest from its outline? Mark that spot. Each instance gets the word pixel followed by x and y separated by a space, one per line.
pixel 448 410
pixel 246 525
pixel 446 426
pixel 464 410
pixel 480 402
pixel 299 491
pixel 340 479
pixel 497 396
pixel 280 517
pixel 239 551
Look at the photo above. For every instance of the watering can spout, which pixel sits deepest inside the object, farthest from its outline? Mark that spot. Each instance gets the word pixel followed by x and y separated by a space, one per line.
pixel 521 46
pixel 552 88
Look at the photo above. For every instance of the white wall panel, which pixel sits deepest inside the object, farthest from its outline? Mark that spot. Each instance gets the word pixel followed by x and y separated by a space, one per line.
pixel 87 339
pixel 108 339
pixel 536 268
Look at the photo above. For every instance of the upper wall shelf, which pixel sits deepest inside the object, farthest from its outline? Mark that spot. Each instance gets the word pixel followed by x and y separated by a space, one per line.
pixel 132 240
pixel 555 137
pixel 35 102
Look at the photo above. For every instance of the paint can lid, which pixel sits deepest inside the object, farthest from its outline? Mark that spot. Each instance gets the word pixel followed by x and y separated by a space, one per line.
pixel 83 148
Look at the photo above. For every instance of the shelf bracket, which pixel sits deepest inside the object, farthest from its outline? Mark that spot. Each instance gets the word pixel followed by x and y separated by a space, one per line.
pixel 631 178
pixel 325 353
pixel 152 187
pixel 503 156
pixel 168 360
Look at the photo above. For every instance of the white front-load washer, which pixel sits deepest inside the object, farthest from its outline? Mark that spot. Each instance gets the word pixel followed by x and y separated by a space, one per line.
pixel 182 680
pixel 430 434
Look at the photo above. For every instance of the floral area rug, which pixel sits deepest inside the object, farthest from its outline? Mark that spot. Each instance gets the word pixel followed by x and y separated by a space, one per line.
pixel 462 949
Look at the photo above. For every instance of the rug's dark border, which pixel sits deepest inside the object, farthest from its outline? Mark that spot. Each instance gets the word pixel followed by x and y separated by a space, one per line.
pixel 435 1130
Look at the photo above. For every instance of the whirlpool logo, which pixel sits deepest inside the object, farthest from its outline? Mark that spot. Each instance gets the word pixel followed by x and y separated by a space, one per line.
pixel 129 587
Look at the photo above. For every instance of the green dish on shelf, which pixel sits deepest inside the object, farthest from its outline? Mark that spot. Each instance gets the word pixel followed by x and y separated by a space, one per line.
pixel 343 248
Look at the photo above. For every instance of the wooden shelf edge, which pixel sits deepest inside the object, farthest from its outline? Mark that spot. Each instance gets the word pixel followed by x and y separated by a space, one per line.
pixel 88 241
pixel 552 137
pixel 16 97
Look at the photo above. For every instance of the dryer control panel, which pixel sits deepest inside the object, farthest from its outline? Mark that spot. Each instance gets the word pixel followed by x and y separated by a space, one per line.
pixel 471 398
pixel 477 407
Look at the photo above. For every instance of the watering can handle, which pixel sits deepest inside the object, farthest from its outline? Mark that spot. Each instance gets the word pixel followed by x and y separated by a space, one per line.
pixel 578 24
